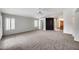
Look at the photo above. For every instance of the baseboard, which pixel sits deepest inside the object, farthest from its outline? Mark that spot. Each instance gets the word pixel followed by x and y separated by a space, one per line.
pixel 19 33
pixel 68 34
pixel 76 39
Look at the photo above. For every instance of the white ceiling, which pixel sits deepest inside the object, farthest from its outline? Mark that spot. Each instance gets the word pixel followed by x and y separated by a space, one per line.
pixel 34 12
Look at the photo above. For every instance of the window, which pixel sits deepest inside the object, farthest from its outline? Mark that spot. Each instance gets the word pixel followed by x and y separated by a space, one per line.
pixel 7 23
pixel 10 23
pixel 35 23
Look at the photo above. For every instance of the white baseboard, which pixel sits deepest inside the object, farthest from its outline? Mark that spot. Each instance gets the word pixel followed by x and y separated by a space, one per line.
pixel 76 39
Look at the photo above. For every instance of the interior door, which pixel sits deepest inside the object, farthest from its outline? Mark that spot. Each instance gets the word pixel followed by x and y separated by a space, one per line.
pixel 49 23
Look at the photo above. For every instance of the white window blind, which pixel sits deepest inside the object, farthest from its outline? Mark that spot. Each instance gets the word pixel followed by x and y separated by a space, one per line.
pixel 35 23
pixel 7 23
pixel 10 23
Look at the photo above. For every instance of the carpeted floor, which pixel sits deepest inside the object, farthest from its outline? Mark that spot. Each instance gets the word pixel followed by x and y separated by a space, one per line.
pixel 39 40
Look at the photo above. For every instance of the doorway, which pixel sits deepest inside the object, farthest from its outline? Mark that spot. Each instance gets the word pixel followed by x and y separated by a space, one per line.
pixel 49 23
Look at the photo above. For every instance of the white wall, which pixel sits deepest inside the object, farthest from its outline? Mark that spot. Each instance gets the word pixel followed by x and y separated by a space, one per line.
pixel 76 27
pixel 42 23
pixel 22 24
pixel 0 26
pixel 68 21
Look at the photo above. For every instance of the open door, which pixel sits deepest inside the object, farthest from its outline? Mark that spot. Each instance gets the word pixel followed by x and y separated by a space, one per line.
pixel 61 25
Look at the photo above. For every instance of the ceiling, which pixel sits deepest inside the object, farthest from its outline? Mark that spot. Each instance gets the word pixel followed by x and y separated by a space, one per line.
pixel 35 12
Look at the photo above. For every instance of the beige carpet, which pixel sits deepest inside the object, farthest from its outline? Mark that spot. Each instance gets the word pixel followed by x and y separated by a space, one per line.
pixel 39 40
